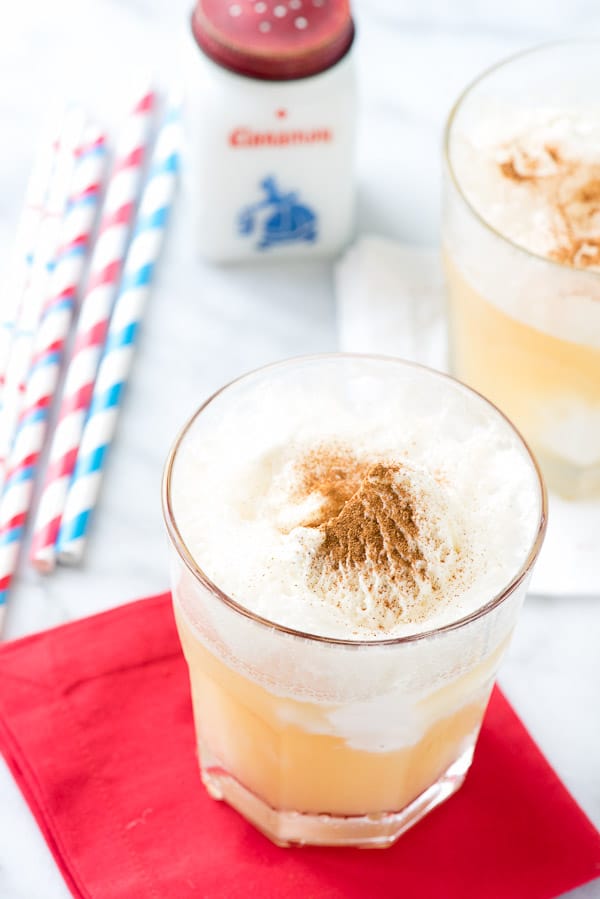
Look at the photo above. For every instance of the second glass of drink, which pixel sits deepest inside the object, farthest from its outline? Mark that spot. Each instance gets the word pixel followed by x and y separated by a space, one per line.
pixel 522 252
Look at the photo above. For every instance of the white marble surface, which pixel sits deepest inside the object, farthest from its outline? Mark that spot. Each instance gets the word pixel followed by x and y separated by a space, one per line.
pixel 206 324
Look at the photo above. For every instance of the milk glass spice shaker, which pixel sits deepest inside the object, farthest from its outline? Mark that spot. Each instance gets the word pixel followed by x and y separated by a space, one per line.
pixel 271 118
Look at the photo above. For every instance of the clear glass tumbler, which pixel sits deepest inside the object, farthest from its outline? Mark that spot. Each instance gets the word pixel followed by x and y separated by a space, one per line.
pixel 525 329
pixel 333 741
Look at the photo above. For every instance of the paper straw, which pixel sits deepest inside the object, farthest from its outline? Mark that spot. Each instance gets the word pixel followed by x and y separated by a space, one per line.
pixel 37 289
pixel 118 356
pixel 36 197
pixel 50 341
pixel 17 489
pixel 105 269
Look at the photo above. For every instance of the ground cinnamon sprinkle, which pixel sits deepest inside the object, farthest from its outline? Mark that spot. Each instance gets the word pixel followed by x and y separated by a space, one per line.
pixel 333 472
pixel 376 525
pixel 509 170
pixel 367 522
pixel 582 253
pixel 553 153
pixel 572 190
pixel 589 193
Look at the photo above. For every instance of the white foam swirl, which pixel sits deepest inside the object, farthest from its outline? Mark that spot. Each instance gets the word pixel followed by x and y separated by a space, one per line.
pixel 234 499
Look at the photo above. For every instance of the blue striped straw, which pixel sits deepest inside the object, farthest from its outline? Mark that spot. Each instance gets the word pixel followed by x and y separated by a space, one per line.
pixel 117 360
pixel 48 350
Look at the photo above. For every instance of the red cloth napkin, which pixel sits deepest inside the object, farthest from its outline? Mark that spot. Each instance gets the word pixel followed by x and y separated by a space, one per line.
pixel 95 723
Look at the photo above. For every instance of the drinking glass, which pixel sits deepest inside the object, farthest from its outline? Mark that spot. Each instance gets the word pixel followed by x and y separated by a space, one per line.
pixel 317 740
pixel 525 329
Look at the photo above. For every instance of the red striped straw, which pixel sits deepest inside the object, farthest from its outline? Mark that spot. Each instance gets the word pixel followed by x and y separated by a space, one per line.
pixel 50 342
pixel 13 509
pixel 105 270
pixel 33 299
pixel 21 265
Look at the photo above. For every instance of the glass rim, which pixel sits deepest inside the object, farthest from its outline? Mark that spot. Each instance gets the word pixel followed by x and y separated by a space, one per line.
pixel 187 558
pixel 505 62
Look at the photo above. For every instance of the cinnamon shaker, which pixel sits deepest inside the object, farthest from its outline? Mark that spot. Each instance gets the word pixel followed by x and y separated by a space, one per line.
pixel 271 117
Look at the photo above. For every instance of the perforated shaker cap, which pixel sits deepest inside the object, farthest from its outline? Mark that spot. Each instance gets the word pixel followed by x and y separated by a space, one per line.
pixel 276 40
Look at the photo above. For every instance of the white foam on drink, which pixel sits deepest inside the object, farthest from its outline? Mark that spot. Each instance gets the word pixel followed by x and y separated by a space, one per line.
pixel 534 175
pixel 236 503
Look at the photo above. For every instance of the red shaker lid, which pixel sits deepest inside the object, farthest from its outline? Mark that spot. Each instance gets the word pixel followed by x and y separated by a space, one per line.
pixel 274 39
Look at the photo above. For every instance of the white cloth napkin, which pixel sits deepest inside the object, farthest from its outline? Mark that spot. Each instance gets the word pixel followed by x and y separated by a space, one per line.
pixel 390 300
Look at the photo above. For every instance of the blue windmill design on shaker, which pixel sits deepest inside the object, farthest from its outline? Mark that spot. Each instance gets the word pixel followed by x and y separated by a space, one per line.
pixel 289 221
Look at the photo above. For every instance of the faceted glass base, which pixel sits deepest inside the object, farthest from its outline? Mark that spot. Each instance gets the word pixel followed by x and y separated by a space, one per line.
pixel 289 828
